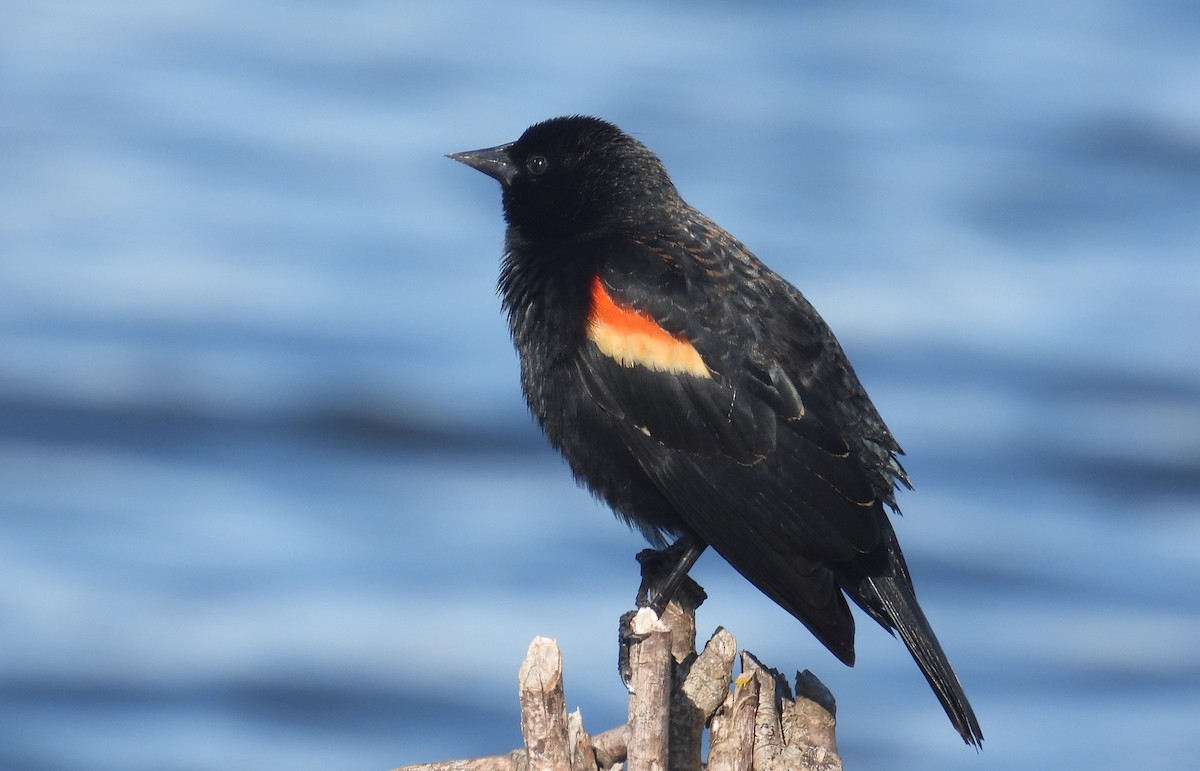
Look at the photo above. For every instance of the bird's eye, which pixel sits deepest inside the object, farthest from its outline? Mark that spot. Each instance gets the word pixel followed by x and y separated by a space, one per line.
pixel 536 165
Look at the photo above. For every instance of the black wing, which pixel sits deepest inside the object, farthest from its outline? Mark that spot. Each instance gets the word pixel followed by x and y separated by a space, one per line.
pixel 747 452
pixel 771 452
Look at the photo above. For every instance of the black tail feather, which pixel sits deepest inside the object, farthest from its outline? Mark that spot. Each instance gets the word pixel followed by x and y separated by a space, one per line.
pixel 900 605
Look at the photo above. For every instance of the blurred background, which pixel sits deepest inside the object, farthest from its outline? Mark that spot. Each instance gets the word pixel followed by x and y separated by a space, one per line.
pixel 269 495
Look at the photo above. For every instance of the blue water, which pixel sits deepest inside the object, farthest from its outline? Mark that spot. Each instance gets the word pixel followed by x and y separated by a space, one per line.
pixel 269 497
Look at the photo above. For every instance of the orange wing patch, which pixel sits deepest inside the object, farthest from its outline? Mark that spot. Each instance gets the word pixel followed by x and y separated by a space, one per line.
pixel 634 339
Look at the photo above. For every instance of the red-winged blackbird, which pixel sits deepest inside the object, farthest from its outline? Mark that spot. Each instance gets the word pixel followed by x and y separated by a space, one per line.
pixel 697 392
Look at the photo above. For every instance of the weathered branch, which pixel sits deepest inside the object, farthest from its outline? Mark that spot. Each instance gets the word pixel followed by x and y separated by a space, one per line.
pixel 544 707
pixel 583 752
pixel 649 692
pixel 512 761
pixel 780 735
pixel 731 732
pixel 612 746
pixel 701 685
pixel 675 693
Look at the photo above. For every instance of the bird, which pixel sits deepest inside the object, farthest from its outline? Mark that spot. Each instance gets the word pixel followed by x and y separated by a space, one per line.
pixel 697 392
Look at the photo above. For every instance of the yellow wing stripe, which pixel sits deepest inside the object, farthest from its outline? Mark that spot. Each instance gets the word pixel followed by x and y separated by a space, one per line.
pixel 633 338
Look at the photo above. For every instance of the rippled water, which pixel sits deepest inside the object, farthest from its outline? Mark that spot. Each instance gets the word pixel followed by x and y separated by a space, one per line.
pixel 268 494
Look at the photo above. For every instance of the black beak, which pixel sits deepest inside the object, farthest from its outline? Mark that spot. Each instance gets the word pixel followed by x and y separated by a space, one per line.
pixel 493 161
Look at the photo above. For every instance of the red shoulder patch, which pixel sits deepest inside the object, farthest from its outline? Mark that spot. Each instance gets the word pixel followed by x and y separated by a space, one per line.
pixel 633 338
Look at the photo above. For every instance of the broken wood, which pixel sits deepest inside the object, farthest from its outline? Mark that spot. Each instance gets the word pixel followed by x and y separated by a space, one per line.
pixel 758 724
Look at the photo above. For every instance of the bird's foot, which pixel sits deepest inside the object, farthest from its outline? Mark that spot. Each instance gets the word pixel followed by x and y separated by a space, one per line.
pixel 664 582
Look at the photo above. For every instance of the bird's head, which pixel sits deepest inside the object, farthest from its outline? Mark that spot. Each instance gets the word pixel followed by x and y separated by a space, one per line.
pixel 577 176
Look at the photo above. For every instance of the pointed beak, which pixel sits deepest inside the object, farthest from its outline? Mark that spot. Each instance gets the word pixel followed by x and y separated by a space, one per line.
pixel 493 161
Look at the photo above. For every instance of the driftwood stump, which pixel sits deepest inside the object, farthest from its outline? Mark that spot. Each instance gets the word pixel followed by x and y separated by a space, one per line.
pixel 756 721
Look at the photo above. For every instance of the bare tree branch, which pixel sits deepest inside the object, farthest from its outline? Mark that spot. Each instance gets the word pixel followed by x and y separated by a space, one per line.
pixel 675 694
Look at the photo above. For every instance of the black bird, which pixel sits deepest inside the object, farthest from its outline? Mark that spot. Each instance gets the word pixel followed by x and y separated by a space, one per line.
pixel 697 392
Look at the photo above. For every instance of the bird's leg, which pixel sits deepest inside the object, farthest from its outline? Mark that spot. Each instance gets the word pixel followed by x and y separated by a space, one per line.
pixel 681 556
pixel 665 578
